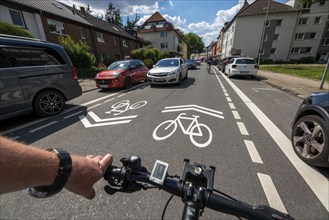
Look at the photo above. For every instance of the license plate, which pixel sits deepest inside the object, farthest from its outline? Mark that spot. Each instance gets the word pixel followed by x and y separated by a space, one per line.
pixel 103 86
pixel 159 80
pixel 244 72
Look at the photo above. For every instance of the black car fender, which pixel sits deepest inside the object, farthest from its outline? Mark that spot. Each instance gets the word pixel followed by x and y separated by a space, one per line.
pixel 311 110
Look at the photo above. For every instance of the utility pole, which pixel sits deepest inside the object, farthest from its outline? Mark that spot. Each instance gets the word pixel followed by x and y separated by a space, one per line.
pixel 324 74
pixel 263 31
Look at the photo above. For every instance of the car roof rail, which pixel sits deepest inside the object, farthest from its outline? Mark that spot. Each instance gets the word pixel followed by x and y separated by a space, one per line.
pixel 22 38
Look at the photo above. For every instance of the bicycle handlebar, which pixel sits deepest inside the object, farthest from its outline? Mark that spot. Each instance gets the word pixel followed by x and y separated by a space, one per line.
pixel 129 177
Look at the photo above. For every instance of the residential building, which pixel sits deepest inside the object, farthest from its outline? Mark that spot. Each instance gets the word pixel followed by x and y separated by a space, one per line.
pixel 311 36
pixel 248 34
pixel 163 35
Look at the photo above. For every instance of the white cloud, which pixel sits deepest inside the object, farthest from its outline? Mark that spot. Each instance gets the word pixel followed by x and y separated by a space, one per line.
pixel 171 3
pixel 176 20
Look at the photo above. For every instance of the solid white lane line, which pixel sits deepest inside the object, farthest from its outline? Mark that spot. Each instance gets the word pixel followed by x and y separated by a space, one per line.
pixel 44 126
pixel 236 114
pixel 228 99
pixel 69 116
pixel 121 95
pixel 94 106
pixel 253 152
pixel 231 105
pixel 242 128
pixel 271 193
pixel 226 94
pixel 318 183
pixel 108 100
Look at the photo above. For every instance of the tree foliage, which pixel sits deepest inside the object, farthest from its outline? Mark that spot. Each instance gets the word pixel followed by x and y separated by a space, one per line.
pixel 78 52
pixel 194 43
pixel 150 55
pixel 131 24
pixel 112 15
pixel 10 29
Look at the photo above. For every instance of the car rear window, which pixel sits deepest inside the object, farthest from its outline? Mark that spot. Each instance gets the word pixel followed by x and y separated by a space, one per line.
pixel 30 56
pixel 245 61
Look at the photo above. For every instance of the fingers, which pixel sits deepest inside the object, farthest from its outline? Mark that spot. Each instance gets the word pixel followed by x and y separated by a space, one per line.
pixel 105 162
pixel 91 194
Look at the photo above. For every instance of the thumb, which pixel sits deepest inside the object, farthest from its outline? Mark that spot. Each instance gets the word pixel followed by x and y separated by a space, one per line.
pixel 90 194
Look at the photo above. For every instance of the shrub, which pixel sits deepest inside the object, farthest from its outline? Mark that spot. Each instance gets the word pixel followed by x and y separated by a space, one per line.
pixel 78 52
pixel 88 72
pixel 163 55
pixel 10 29
pixel 307 60
pixel 148 63
pixel 109 60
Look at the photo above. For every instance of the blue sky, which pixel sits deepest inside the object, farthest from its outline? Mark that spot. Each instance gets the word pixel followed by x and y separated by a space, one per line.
pixel 202 17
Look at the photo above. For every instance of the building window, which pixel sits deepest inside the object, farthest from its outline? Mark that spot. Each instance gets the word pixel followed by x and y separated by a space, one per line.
pixel 327 28
pixel 317 20
pixel 265 37
pixel 276 37
pixel 232 29
pixel 279 22
pixel 163 34
pixel 231 41
pixel 124 43
pixel 299 36
pixel 164 45
pixel 262 52
pixel 273 50
pixel 308 49
pixel 306 8
pixel 267 23
pixel 56 27
pixel 303 21
pixel 322 2
pixel 325 42
pixel 17 18
pixel 82 33
pixel 312 35
pixel 295 50
pixel 100 37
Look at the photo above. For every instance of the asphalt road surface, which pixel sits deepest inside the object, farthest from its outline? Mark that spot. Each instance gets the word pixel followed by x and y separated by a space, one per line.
pixel 241 126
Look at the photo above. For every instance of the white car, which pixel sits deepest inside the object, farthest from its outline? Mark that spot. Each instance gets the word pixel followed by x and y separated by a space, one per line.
pixel 241 67
pixel 168 71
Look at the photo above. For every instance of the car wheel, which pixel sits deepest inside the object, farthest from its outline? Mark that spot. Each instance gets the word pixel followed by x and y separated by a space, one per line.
pixel 180 79
pixel 48 103
pixel 229 74
pixel 310 140
pixel 186 75
pixel 128 83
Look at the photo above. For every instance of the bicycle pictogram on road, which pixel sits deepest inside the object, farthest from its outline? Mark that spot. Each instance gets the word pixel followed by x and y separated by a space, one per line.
pixel 123 106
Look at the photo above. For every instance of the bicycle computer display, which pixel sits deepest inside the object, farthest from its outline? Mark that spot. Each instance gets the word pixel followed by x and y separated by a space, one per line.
pixel 159 172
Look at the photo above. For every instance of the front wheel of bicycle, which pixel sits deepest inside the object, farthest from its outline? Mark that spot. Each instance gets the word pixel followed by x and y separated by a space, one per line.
pixel 138 105
pixel 164 130
pixel 201 135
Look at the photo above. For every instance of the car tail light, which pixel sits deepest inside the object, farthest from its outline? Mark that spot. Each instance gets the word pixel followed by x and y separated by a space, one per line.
pixel 233 66
pixel 75 76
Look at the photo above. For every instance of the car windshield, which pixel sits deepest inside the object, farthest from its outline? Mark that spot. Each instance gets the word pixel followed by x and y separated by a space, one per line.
pixel 168 63
pixel 190 61
pixel 121 65
pixel 245 61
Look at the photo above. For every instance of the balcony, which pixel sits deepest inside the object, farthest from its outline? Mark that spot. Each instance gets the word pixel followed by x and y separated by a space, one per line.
pixel 151 27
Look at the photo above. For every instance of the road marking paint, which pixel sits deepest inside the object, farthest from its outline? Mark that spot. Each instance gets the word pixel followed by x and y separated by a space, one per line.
pixel 94 106
pixel 87 124
pixel 44 126
pixel 121 95
pixel 193 109
pixel 271 193
pixel 228 99
pixel 242 128
pixel 226 94
pixel 269 89
pixel 97 119
pixel 231 105
pixel 69 116
pixel 224 90
pixel 315 180
pixel 253 152
pixel 108 100
pixel 196 106
pixel 236 114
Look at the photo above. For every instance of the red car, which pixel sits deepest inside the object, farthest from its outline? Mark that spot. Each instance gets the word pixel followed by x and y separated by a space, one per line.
pixel 122 74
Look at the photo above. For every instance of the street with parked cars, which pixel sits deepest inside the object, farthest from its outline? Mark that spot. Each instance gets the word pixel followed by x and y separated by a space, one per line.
pixel 255 135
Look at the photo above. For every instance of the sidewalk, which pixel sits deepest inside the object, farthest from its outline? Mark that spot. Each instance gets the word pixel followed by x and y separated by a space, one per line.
pixel 292 84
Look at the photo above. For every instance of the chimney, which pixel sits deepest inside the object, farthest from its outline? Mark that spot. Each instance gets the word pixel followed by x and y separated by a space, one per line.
pixel 83 10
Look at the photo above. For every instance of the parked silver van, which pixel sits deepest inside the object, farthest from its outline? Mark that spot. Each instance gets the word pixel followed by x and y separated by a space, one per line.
pixel 34 76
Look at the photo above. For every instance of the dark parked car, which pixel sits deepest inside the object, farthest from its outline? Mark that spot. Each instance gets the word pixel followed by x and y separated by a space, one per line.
pixel 191 64
pixel 223 62
pixel 310 130
pixel 35 76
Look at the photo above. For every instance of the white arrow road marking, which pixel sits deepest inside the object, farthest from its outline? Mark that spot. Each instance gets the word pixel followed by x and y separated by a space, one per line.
pixel 87 124
pixel 197 108
pixel 97 119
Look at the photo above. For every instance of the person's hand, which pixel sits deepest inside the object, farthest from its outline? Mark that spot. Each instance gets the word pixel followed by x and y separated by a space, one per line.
pixel 86 171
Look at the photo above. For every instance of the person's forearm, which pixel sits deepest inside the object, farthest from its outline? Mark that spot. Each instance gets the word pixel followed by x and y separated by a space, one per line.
pixel 22 166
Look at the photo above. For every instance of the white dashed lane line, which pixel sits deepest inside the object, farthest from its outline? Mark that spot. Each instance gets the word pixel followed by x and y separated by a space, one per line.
pixel 69 116
pixel 232 106
pixel 242 128
pixel 253 152
pixel 236 115
pixel 44 126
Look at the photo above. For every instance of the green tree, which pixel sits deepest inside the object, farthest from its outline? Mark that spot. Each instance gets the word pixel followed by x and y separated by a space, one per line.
pixel 131 24
pixel 112 15
pixel 78 52
pixel 194 43
pixel 10 29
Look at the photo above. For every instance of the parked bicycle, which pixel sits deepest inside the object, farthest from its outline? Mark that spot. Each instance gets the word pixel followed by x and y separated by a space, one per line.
pixel 194 129
pixel 123 106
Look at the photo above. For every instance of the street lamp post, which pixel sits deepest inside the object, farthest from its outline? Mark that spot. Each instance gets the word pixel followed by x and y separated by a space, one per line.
pixel 263 31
